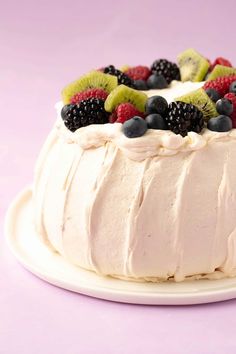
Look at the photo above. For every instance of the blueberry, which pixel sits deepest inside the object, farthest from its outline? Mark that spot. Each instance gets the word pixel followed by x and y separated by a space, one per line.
pixel 213 94
pixel 65 110
pixel 140 85
pixel 157 82
pixel 155 121
pixel 224 106
pixel 134 127
pixel 232 87
pixel 220 124
pixel 157 104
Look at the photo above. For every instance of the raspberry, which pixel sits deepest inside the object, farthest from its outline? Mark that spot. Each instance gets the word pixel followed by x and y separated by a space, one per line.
pixel 124 112
pixel 90 111
pixel 112 117
pixel 138 72
pixel 221 61
pixel 220 84
pixel 90 93
pixel 231 97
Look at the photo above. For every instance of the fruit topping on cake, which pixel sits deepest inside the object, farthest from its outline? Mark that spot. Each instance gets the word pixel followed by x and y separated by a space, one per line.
pixel 201 100
pixel 213 94
pixel 232 98
pixel 156 81
pixel 221 124
pixel 232 88
pixel 221 84
pixel 193 66
pixel 140 85
pixel 167 69
pixel 134 127
pixel 94 79
pixel 121 77
pixel 224 106
pixel 87 112
pixel 221 70
pixel 183 118
pixel 111 95
pixel 178 117
pixel 139 72
pixel 156 104
pixel 90 93
pixel 124 68
pixel 123 112
pixel 220 61
pixel 122 94
pixel 156 121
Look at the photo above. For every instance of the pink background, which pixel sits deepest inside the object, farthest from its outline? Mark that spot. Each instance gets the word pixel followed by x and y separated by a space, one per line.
pixel 44 45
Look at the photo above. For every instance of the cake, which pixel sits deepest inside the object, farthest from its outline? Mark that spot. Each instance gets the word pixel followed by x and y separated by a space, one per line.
pixel 137 178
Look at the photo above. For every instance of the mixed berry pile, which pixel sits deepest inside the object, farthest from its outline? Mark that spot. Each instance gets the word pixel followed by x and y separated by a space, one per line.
pixel 112 95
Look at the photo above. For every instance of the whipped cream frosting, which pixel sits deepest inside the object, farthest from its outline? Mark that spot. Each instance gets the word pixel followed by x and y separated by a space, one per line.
pixel 152 208
pixel 152 143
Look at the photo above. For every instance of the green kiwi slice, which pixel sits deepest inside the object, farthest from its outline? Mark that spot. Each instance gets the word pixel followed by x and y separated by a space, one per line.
pixel 122 94
pixel 94 79
pixel 193 66
pixel 200 99
pixel 221 70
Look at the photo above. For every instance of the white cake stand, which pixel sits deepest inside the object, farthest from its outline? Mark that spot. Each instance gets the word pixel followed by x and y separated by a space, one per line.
pixel 50 266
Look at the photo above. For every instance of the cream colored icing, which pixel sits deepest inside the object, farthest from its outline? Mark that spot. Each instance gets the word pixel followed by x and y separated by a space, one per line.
pixel 152 208
pixel 152 143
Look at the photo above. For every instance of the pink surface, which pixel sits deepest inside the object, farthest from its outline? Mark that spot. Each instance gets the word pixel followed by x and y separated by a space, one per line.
pixel 43 46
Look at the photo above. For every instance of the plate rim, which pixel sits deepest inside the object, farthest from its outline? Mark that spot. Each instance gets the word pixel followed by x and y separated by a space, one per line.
pixel 108 292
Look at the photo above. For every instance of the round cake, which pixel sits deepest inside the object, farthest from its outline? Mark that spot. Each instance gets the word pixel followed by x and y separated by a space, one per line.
pixel 137 178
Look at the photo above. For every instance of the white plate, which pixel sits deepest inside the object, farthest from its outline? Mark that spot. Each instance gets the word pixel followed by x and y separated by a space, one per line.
pixel 50 266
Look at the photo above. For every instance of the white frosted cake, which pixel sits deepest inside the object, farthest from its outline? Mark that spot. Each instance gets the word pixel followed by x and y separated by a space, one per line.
pixel 155 206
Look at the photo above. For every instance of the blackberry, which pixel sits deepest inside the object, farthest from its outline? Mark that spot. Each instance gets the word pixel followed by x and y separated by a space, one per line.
pixel 183 118
pixel 87 112
pixel 169 70
pixel 121 77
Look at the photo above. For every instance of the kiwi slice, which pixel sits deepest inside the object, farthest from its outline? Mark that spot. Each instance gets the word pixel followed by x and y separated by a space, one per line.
pixel 200 99
pixel 221 70
pixel 124 68
pixel 122 94
pixel 193 66
pixel 94 79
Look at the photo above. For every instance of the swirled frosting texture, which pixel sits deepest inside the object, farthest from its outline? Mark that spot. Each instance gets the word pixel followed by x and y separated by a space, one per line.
pixel 153 208
pixel 152 143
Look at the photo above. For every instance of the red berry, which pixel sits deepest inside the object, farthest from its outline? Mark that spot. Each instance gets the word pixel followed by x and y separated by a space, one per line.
pixel 231 97
pixel 221 61
pixel 138 72
pixel 126 111
pixel 220 84
pixel 90 93
pixel 112 117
